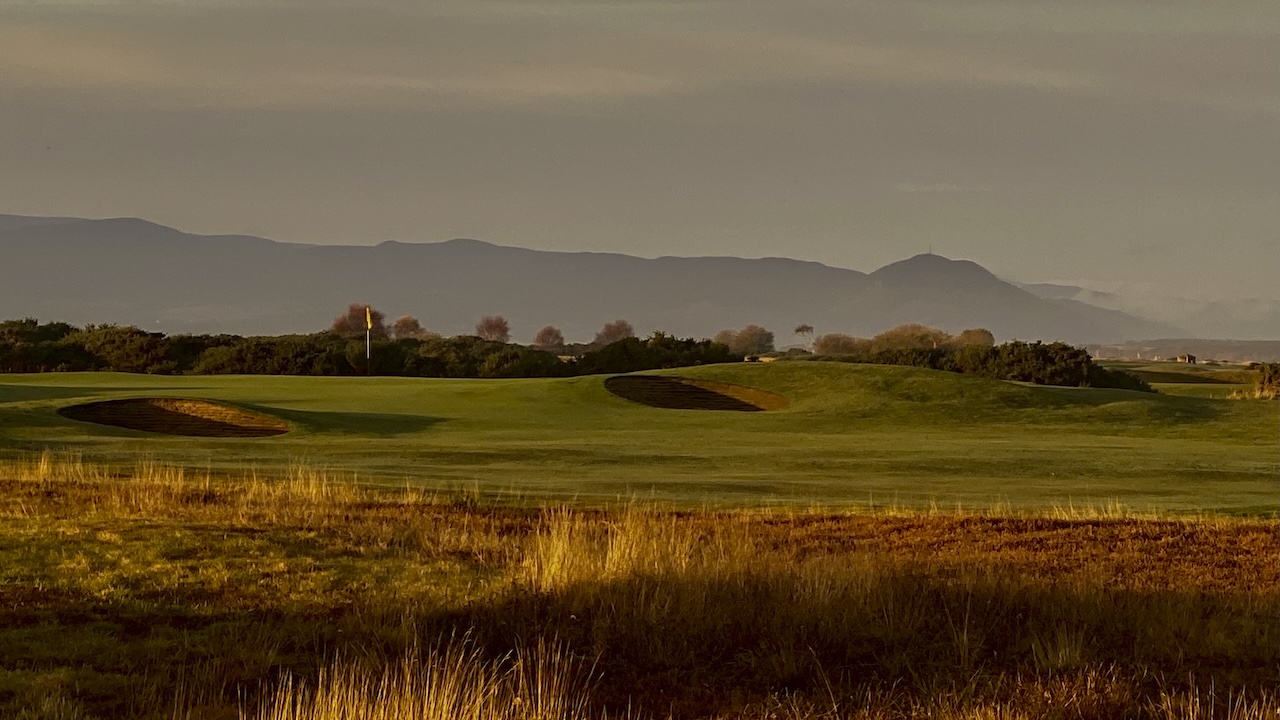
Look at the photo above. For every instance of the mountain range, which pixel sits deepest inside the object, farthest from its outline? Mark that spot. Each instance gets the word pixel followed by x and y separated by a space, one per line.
pixel 131 271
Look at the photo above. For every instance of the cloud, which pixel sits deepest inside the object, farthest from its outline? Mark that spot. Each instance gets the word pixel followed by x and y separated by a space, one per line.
pixel 946 188
pixel 397 54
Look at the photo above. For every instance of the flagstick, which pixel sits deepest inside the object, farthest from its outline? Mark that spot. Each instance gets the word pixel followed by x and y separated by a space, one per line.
pixel 368 353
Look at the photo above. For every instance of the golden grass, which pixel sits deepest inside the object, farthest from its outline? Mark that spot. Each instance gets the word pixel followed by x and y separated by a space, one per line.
pixel 454 682
pixel 1256 393
pixel 307 595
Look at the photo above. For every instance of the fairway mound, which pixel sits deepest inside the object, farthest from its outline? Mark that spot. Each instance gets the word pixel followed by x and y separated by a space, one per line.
pixel 675 393
pixel 176 416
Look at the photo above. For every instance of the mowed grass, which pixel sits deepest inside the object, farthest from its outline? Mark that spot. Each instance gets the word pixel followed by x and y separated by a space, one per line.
pixel 851 435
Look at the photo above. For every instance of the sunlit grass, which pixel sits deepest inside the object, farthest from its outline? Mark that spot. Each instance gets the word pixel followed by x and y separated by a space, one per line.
pixel 145 590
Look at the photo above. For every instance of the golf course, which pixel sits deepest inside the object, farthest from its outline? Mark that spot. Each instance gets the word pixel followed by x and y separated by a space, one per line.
pixel 834 435
pixel 798 540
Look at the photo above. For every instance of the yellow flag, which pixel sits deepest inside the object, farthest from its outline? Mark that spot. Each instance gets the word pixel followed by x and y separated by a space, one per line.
pixel 368 317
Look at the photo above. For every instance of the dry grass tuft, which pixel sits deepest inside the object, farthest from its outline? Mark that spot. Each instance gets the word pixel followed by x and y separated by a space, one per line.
pixel 454 682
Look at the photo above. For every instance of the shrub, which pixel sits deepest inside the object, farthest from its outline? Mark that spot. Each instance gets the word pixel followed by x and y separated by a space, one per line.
pixel 1040 363
pixel 658 351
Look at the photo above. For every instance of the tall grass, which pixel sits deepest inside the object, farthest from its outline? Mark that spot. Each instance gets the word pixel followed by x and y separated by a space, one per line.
pixel 638 610
pixel 453 682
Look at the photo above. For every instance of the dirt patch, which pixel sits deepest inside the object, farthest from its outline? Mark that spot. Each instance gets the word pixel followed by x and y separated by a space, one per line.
pixel 676 393
pixel 177 416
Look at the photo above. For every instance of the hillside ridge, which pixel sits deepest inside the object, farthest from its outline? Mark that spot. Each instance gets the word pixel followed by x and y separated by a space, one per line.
pixel 132 271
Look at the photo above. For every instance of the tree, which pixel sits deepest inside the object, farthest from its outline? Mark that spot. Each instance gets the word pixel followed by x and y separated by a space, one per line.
pixel 493 327
pixel 840 344
pixel 352 322
pixel 912 336
pixel 753 340
pixel 613 332
pixel 976 336
pixel 750 340
pixel 407 326
pixel 805 330
pixel 549 338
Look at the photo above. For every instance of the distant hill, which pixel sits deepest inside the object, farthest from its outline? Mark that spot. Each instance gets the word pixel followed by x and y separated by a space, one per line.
pixel 127 270
pixel 1240 318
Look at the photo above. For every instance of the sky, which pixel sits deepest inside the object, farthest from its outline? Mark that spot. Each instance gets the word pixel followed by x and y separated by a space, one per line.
pixel 1113 143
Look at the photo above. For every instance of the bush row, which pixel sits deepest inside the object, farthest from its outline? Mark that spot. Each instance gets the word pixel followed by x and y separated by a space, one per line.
pixel 1040 363
pixel 28 346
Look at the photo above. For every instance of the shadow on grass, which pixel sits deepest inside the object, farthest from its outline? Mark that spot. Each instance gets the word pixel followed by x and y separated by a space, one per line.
pixel 351 423
pixel 1157 405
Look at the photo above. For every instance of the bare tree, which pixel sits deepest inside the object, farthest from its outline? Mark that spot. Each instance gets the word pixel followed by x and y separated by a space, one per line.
pixel 353 321
pixel 406 326
pixel 976 336
pixel 726 337
pixel 839 344
pixel 493 327
pixel 805 330
pixel 614 331
pixel 549 338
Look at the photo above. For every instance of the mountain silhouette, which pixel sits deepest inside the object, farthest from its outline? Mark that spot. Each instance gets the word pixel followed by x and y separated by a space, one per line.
pixel 131 271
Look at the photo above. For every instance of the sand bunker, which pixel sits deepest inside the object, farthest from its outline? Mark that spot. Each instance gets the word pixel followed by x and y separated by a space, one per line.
pixel 176 416
pixel 686 394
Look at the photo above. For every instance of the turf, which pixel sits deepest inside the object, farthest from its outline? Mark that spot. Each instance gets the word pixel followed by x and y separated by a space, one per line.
pixel 849 435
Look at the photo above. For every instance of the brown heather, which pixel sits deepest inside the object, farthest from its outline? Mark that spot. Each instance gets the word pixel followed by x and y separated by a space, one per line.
pixel 153 592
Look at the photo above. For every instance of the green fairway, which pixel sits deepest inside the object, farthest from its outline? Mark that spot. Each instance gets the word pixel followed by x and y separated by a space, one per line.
pixel 850 435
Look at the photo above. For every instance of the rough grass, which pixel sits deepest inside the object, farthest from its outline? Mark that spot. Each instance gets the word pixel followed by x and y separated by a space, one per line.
pixel 151 591
pixel 850 436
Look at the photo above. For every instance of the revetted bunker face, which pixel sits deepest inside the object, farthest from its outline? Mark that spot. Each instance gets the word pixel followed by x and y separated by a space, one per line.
pixel 677 393
pixel 176 416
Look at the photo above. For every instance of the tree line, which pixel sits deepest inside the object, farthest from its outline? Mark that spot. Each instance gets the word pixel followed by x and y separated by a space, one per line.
pixel 29 346
pixel 1053 363
pixel 404 348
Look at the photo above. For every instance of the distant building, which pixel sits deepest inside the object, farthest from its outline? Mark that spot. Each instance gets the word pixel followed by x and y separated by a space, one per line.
pixel 1186 358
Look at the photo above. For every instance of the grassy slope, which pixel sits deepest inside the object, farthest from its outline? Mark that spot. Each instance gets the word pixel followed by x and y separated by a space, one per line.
pixel 852 434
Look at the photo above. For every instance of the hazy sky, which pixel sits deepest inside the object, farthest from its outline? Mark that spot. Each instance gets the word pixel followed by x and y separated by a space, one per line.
pixel 1088 140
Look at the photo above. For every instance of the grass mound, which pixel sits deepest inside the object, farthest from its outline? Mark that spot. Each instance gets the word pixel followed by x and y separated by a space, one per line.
pixel 681 393
pixel 177 416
